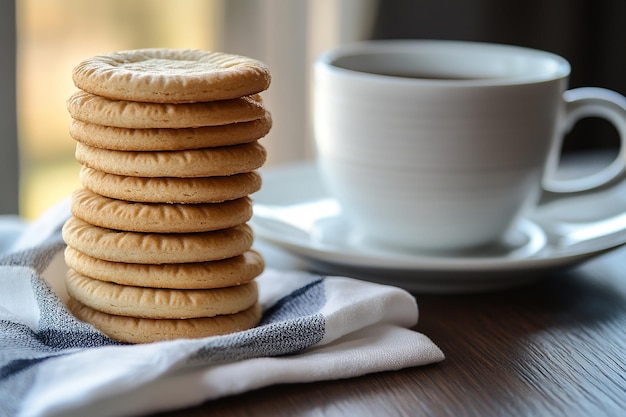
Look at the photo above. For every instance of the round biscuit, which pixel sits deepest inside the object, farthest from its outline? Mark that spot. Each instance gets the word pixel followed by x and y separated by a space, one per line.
pixel 125 139
pixel 138 115
pixel 171 190
pixel 207 162
pixel 158 217
pixel 171 76
pixel 159 303
pixel 156 248
pixel 202 275
pixel 140 330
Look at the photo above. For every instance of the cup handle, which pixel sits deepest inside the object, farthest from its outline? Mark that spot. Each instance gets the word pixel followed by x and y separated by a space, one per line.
pixel 581 103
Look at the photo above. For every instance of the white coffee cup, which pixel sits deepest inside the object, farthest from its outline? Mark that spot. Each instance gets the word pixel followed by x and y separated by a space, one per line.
pixel 445 145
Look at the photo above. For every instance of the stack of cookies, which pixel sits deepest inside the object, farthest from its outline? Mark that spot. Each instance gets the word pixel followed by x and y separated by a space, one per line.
pixel 158 245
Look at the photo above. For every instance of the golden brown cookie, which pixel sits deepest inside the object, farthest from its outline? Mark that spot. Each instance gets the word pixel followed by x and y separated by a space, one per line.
pixel 139 330
pixel 207 162
pixel 156 248
pixel 123 139
pixel 158 217
pixel 171 76
pixel 138 115
pixel 212 274
pixel 171 190
pixel 159 303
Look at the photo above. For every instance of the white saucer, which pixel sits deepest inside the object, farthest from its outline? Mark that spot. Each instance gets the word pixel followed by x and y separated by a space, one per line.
pixel 293 211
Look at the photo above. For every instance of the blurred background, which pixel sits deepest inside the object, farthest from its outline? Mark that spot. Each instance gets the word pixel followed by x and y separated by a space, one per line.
pixel 48 37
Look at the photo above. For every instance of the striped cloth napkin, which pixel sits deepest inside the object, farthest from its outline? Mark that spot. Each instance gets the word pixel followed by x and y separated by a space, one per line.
pixel 313 328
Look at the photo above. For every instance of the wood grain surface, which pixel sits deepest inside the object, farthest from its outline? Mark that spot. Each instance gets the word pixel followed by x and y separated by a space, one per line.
pixel 553 348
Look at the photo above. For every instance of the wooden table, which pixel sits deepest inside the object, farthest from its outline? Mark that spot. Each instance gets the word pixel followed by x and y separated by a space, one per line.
pixel 553 348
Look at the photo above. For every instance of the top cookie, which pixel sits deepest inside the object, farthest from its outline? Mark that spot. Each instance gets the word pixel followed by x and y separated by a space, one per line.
pixel 160 75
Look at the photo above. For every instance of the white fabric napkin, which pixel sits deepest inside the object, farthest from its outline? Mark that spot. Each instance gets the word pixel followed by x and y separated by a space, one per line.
pixel 313 328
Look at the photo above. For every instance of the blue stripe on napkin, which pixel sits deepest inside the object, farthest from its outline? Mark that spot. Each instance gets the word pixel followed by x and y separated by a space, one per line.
pixel 290 325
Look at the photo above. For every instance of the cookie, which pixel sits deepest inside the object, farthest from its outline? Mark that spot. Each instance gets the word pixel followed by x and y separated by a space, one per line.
pixel 123 139
pixel 159 303
pixel 213 274
pixel 156 248
pixel 140 330
pixel 138 115
pixel 207 162
pixel 171 76
pixel 158 218
pixel 171 190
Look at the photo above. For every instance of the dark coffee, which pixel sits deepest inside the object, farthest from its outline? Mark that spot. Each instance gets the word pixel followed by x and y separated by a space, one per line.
pixel 394 65
pixel 423 76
